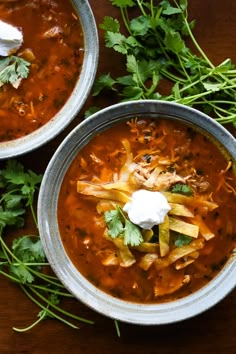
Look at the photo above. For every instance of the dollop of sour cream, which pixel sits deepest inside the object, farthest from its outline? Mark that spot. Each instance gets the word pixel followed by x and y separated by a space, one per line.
pixel 147 208
pixel 11 39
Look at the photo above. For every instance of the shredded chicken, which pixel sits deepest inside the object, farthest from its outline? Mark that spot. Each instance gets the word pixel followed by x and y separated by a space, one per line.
pixel 54 32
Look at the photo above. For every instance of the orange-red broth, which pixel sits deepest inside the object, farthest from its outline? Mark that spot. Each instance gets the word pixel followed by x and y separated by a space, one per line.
pixel 81 227
pixel 55 59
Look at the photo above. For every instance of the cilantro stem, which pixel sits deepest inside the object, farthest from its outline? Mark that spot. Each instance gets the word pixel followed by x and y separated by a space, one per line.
pixel 59 309
pixel 14 279
pixel 185 20
pixel 117 328
pixel 53 291
pixel 172 77
pixel 32 325
pixel 124 15
pixel 50 279
pixel 47 310
pixel 33 215
pixel 152 8
pixel 141 8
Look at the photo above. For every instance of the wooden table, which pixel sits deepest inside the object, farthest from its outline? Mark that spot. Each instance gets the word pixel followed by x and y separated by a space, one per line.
pixel 211 332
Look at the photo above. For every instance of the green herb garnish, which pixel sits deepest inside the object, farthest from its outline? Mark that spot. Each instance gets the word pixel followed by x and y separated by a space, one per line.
pixel 183 240
pixel 12 69
pixel 181 189
pixel 119 226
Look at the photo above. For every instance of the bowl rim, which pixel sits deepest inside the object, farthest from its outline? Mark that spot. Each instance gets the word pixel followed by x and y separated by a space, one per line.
pixel 76 100
pixel 82 289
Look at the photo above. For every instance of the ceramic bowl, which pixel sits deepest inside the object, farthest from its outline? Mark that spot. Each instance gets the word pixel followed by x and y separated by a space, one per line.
pixel 76 100
pixel 83 290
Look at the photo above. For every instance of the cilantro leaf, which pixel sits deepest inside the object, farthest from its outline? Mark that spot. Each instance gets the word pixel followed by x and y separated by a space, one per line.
pixel 14 172
pixel 91 110
pixel 183 240
pixel 132 234
pixel 126 80
pixel 123 3
pixel 11 217
pixel 181 189
pixel 174 42
pixel 213 86
pixel 14 175
pixel 117 41
pixel 114 223
pixel 28 251
pixel 140 25
pixel 133 92
pixel 110 24
pixel 168 9
pixel 12 69
pixel 103 82
pixel 21 272
pixel 119 226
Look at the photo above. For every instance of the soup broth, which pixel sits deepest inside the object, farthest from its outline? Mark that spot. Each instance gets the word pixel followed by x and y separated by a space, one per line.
pixel 53 44
pixel 174 258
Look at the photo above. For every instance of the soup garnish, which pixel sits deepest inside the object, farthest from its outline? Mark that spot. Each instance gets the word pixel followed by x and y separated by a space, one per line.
pixel 146 210
pixel 49 59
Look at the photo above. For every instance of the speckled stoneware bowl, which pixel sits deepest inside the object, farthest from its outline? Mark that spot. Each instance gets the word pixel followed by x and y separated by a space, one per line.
pixel 82 289
pixel 76 100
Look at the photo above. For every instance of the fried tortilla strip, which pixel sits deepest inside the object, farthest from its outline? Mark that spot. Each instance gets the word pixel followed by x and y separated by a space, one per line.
pixel 164 237
pixel 178 253
pixel 105 205
pixel 147 235
pixel 125 254
pixel 147 260
pixel 180 210
pixel 168 281
pixel 203 228
pixel 183 227
pixel 119 185
pixel 182 263
pixel 188 200
pixel 147 247
pixel 97 190
pixel 111 260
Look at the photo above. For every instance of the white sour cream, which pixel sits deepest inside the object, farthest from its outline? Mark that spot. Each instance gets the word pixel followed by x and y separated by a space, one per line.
pixel 11 39
pixel 147 208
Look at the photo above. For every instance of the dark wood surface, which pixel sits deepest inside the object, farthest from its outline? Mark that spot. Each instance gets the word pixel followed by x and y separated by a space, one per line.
pixel 211 332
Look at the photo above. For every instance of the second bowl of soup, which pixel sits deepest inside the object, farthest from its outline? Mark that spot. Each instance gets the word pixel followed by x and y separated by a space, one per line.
pixel 45 82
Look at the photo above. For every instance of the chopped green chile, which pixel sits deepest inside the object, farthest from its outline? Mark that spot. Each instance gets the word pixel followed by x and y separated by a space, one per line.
pixel 54 46
pixel 142 274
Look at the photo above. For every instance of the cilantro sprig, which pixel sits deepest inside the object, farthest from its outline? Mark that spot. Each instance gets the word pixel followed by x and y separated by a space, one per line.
pixel 181 188
pixel 154 46
pixel 119 226
pixel 12 69
pixel 24 261
pixel 183 240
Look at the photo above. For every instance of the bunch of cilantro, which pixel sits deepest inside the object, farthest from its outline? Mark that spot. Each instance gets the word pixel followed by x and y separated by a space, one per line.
pixel 154 46
pixel 23 260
